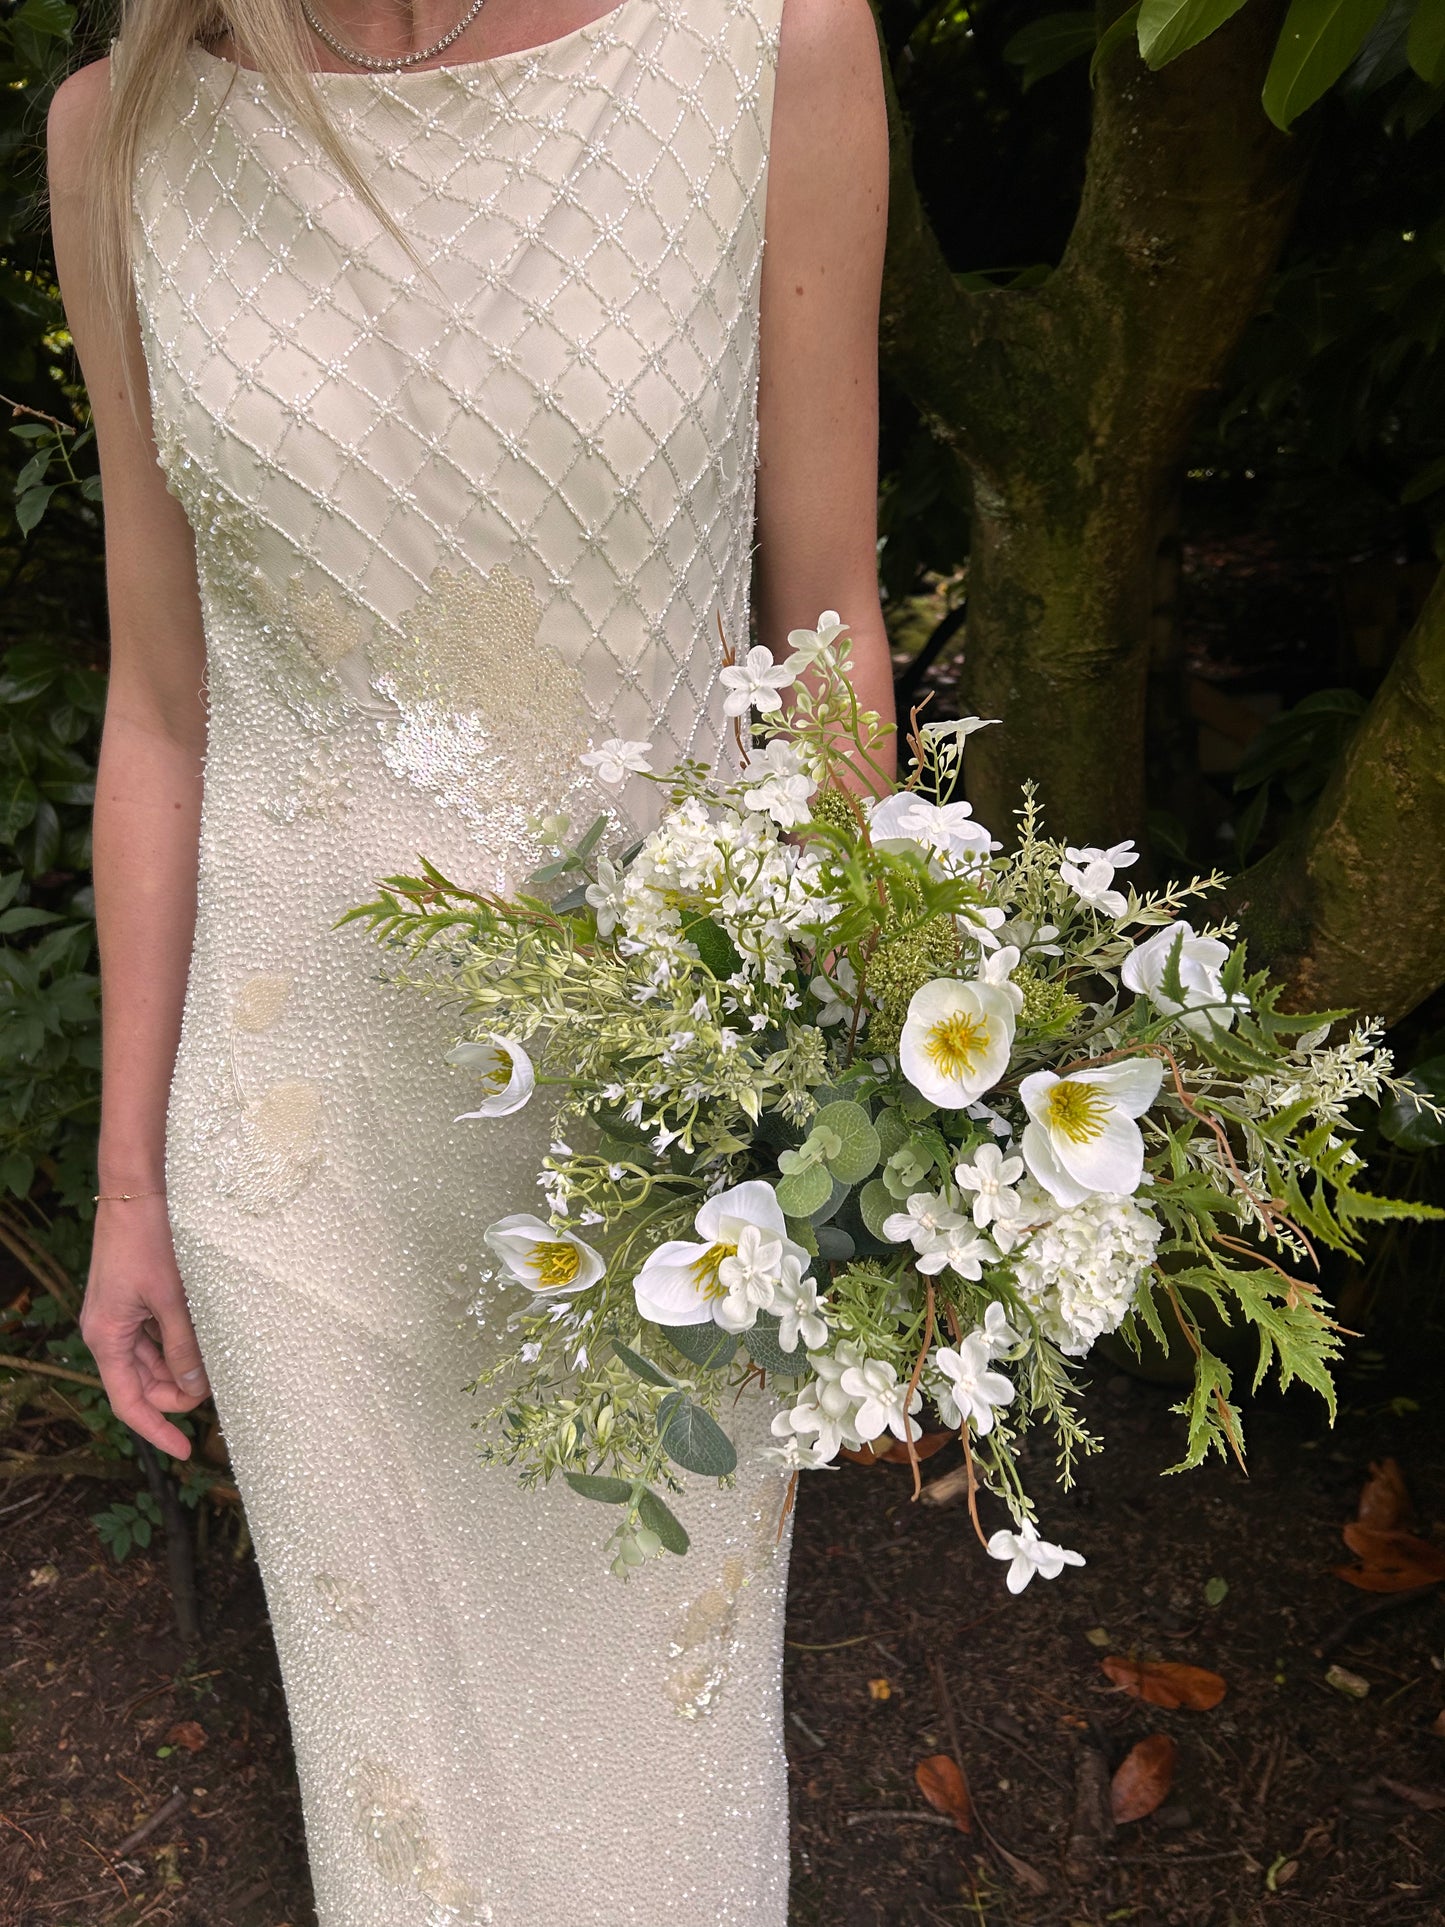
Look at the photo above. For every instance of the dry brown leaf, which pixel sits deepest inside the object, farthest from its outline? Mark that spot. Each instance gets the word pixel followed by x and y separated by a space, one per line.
pixel 1166 1682
pixel 1384 1500
pixel 941 1782
pixel 1390 1561
pixel 187 1733
pixel 1437 1725
pixel 1144 1779
pixel 1427 1799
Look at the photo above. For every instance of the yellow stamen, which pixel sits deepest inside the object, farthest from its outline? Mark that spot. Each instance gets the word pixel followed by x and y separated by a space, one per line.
pixel 500 1075
pixel 955 1041
pixel 1076 1110
pixel 555 1263
pixel 705 1269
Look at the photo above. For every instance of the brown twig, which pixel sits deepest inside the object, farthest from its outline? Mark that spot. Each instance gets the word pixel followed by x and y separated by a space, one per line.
pixel 177 1804
pixel 913 1386
pixel 12 1364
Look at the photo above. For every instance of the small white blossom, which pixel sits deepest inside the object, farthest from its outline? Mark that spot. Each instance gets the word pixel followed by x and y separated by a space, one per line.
pixel 919 1223
pixel 883 1400
pixel 959 1248
pixel 1029 1554
pixel 973 1388
pixel 812 648
pixel 799 1309
pixel 991 1177
pixel 617 759
pixel 1091 883
pixel 756 682
pixel 1079 1268
pixel 835 1009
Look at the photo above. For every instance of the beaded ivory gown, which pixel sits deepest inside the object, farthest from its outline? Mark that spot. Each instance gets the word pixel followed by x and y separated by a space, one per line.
pixel 448 535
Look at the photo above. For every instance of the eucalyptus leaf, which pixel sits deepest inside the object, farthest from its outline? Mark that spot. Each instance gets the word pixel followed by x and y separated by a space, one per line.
pixel 875 1203
pixel 592 1485
pixel 805 1191
pixel 707 1346
pixel 861 1147
pixel 832 1204
pixel 643 1367
pixel 660 1519
pixel 835 1244
pixel 764 1349
pixel 693 1439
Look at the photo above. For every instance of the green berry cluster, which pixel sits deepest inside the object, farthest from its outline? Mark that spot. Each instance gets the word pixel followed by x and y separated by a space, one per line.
pixel 1048 1004
pixel 834 810
pixel 898 968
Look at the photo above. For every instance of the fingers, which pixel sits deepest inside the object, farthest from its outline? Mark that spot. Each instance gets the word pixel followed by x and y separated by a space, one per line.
pixel 183 1354
pixel 128 1385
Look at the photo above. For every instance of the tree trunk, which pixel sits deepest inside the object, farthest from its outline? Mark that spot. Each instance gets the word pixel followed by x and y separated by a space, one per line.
pixel 1071 407
pixel 1350 909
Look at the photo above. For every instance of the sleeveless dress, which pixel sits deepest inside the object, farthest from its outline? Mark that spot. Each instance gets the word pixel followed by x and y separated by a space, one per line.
pixel 457 519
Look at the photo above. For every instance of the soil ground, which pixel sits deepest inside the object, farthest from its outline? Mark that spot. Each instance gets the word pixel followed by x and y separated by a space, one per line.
pixel 1292 1802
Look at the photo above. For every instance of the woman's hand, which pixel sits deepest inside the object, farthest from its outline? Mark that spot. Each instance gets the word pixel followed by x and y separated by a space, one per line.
pixel 137 1324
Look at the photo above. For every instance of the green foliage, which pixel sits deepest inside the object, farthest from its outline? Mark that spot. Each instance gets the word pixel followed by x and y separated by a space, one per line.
pixel 1293 755
pixel 1318 41
pixel 122 1526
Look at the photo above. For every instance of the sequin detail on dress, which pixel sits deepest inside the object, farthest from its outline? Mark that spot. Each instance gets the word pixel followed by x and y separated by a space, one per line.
pixel 454 524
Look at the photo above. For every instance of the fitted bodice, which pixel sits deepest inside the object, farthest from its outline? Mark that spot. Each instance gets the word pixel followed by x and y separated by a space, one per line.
pixel 460 517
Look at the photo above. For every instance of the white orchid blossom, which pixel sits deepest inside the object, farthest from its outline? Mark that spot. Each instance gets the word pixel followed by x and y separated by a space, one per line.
pixel 547 1261
pixel 682 1283
pixel 1028 1554
pixel 925 1215
pixel 617 759
pixel 991 1177
pixel 956 1040
pixel 504 1068
pixel 1200 961
pixel 883 1399
pixel 1081 1137
pixel 972 1388
pixel 756 682
pixel 800 1310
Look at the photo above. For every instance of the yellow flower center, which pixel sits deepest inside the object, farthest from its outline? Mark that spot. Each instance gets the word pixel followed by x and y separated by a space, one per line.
pixel 1076 1110
pixel 705 1269
pixel 954 1042
pixel 555 1263
pixel 500 1075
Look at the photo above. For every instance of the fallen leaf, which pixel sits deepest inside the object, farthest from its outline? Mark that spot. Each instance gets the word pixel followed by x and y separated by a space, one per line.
pixel 1427 1799
pixel 1348 1683
pixel 941 1782
pixel 1390 1561
pixel 187 1733
pixel 879 1689
pixel 1144 1779
pixel 1097 1635
pixel 1384 1500
pixel 1437 1725
pixel 1166 1682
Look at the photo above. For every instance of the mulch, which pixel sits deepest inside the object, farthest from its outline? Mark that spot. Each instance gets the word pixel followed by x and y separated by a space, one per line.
pixel 1291 1800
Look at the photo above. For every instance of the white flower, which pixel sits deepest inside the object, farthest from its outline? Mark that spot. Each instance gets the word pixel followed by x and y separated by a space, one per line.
pixel 756 682
pixel 749 1279
pixel 1029 1554
pixel 882 1398
pixel 681 1283
pixel 1090 883
pixel 778 783
pixel 1200 961
pixel 799 1309
pixel 921 1221
pixel 1079 1269
pixel 811 648
pixel 957 1248
pixel 503 1066
pixel 996 1332
pixel 1082 1136
pixel 617 759
pixel 845 979
pixel 545 1260
pixel 1118 856
pixel 605 896
pixel 906 821
pixel 823 1411
pixel 999 968
pixel 974 1388
pixel 957 730
pixel 956 1040
pixel 991 1177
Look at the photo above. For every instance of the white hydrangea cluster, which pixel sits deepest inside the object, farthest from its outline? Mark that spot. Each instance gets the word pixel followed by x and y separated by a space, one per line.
pixel 1080 1269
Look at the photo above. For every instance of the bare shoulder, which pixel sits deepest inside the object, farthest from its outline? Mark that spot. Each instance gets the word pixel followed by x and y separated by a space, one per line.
pixel 77 109
pixel 828 51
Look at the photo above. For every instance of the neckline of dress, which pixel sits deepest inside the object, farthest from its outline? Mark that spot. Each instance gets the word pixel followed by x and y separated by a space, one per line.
pixel 536 51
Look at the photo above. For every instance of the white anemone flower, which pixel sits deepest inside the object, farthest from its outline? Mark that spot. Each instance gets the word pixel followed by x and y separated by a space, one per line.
pixel 756 682
pixel 1081 1137
pixel 504 1068
pixel 1200 961
pixel 1029 1554
pixel 974 1388
pixel 956 1040
pixel 617 759
pixel 681 1282
pixel 799 1308
pixel 883 1401
pixel 547 1261
pixel 991 1178
pixel 905 821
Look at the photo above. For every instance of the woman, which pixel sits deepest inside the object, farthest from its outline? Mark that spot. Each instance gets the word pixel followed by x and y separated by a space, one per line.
pixel 429 444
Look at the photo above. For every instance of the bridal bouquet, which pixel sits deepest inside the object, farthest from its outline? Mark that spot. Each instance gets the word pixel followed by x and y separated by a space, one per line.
pixel 847 1097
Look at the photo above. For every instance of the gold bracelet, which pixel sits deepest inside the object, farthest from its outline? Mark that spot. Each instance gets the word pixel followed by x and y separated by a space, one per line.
pixel 112 1197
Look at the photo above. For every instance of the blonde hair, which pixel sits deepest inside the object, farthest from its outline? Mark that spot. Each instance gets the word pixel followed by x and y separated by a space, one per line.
pixel 146 58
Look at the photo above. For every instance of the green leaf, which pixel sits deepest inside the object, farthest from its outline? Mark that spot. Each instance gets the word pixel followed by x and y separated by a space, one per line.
pixel 708 1346
pixel 1046 45
pixel 1425 44
pixel 1216 1591
pixel 805 1191
pixel 1318 41
pixel 764 1349
pixel 50 19
pixel 875 1203
pixel 861 1145
pixel 25 917
pixel 1168 28
pixel 1124 28
pixel 693 1439
pixel 835 1244
pixel 716 948
pixel 30 506
pixel 665 1523
pixel 592 1485
pixel 644 1368
pixel 1402 1120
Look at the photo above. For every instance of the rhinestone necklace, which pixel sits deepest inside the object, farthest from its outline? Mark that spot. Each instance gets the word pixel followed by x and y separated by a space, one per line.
pixel 390 66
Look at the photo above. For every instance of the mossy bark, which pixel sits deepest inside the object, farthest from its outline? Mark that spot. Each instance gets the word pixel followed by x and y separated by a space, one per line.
pixel 1351 910
pixel 1070 407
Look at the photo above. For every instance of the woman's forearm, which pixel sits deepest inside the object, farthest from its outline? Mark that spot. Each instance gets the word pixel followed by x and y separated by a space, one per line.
pixel 146 836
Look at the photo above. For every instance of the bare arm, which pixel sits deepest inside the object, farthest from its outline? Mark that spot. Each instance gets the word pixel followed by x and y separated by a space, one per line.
pixel 827 210
pixel 146 829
